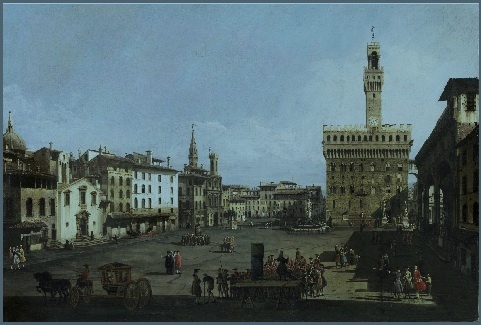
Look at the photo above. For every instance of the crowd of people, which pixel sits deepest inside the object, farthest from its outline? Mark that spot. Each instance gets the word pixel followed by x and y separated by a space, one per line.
pixel 401 281
pixel 195 240
pixel 345 257
pixel 16 257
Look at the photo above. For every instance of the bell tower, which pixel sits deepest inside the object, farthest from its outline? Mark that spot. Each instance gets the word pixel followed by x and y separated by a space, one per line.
pixel 193 157
pixel 373 82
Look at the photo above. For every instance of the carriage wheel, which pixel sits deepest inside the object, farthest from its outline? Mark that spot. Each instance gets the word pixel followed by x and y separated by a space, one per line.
pixel 145 292
pixel 87 294
pixel 131 295
pixel 74 297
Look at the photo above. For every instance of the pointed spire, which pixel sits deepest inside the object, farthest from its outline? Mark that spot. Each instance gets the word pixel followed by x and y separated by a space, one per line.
pixel 10 123
pixel 193 158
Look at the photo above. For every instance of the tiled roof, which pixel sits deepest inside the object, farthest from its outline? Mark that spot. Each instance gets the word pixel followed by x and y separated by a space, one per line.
pixel 456 86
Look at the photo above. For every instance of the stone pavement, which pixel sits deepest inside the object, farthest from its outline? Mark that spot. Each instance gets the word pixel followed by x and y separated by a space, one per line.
pixel 351 294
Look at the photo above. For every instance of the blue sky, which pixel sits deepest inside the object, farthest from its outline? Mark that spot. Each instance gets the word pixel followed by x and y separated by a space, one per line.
pixel 258 80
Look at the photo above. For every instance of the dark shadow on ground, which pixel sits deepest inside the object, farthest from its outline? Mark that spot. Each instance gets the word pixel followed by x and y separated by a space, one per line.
pixel 166 308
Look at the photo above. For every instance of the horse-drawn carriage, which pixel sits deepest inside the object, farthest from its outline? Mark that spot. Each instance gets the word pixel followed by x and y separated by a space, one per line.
pixel 117 282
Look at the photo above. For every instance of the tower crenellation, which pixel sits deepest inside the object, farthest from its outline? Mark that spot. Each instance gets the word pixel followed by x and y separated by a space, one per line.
pixel 367 164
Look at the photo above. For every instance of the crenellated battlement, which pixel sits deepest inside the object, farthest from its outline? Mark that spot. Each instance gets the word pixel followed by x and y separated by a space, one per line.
pixel 385 128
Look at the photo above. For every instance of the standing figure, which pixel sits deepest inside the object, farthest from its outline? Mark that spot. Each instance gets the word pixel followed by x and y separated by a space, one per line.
pixel 21 256
pixel 320 282
pixel 178 263
pixel 419 284
pixel 196 290
pixel 428 284
pixel 407 283
pixel 10 257
pixel 298 255
pixel 397 284
pixel 219 283
pixel 16 258
pixel 210 286
pixel 171 263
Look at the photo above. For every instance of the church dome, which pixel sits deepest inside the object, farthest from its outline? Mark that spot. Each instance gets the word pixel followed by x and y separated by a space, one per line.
pixel 11 139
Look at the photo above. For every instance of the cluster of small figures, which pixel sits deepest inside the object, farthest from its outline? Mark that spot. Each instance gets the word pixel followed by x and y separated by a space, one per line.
pixel 228 245
pixel 16 256
pixel 310 272
pixel 345 256
pixel 405 282
pixel 173 262
pixel 195 240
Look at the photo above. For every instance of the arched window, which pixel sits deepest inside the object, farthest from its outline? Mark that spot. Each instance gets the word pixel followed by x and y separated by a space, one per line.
pixel 150 189
pixel 359 138
pixel 335 138
pixel 112 180
pixel 377 137
pixel 150 203
pixel 135 188
pixel 42 206
pixel 328 138
pixel 353 138
pixel 127 194
pixel 143 188
pixel 143 203
pixel 121 207
pixel 29 207
pixel 121 194
pixel 127 181
pixel 383 138
pixel 342 137
pixel 390 138
pixel 347 138
pixel 398 138
pixel 111 194
pixel 136 203
pixel 52 207
pixel 127 207
pixel 121 181
pixel 365 138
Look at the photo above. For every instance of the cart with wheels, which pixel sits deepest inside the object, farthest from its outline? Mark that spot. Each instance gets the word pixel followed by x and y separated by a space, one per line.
pixel 116 281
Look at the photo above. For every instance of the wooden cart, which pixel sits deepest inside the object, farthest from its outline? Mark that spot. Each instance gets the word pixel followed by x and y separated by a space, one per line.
pixel 117 282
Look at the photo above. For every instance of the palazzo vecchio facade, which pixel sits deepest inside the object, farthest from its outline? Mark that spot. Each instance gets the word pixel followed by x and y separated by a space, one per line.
pixel 367 165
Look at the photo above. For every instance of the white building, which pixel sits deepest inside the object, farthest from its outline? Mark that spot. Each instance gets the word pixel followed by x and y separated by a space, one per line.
pixel 78 210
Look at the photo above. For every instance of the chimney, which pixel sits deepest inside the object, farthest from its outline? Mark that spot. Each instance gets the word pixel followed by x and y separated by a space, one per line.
pixel 149 157
pixel 100 150
pixel 168 162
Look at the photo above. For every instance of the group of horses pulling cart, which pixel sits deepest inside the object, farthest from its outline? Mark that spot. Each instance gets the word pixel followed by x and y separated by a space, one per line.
pixel 115 279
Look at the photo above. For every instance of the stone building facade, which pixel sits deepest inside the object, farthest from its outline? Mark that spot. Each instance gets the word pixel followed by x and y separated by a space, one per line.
pixel 367 165
pixel 200 191
pixel 448 167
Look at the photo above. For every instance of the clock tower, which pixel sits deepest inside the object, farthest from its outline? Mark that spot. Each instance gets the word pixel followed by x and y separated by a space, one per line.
pixel 373 81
